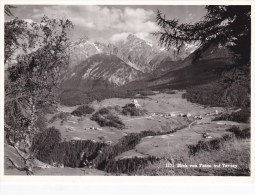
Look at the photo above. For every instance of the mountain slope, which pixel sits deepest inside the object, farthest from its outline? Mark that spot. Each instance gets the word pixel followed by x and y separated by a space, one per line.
pixel 143 55
pixel 104 67
pixel 83 48
pixel 186 73
pixel 136 52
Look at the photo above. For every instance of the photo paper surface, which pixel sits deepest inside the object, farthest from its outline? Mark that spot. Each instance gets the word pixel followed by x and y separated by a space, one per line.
pixel 127 89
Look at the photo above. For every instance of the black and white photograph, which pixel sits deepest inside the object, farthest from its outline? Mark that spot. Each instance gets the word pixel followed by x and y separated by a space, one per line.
pixel 127 90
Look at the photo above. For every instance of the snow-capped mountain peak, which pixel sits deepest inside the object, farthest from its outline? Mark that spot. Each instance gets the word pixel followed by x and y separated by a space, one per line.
pixel 138 54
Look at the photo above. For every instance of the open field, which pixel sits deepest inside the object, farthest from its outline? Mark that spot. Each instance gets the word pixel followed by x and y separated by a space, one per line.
pixel 179 122
pixel 159 108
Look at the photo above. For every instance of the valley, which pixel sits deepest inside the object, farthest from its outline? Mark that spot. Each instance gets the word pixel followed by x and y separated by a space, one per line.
pixel 130 138
pixel 176 123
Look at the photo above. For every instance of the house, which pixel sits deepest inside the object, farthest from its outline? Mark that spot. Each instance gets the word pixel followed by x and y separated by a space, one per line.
pixel 188 115
pixel 135 102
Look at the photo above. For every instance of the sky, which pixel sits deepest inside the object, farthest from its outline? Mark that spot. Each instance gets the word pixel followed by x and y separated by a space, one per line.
pixel 111 23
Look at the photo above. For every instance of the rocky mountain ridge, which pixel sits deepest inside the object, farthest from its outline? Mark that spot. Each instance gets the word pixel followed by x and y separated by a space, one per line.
pixel 136 52
pixel 107 67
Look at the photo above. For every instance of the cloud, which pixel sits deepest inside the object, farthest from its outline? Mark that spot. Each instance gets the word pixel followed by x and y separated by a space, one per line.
pixel 103 23
pixel 144 35
pixel 102 18
pixel 119 37
pixel 123 36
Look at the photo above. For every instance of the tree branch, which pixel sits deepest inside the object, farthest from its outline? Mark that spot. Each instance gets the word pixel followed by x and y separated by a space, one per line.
pixel 16 98
pixel 28 171
pixel 27 157
pixel 15 165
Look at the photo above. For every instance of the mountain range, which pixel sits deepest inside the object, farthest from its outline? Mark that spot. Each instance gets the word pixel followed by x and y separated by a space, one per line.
pixel 187 73
pixel 117 70
pixel 119 63
pixel 102 66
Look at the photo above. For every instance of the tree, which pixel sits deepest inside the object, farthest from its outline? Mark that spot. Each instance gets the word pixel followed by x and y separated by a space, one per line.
pixel 228 26
pixel 225 25
pixel 7 10
pixel 35 56
pixel 20 36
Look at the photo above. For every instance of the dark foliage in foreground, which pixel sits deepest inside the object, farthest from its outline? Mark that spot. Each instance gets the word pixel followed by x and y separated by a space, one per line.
pixel 233 89
pixel 45 142
pixel 83 110
pixel 240 116
pixel 53 151
pixel 49 148
pixel 69 153
pixel 102 156
pixel 210 30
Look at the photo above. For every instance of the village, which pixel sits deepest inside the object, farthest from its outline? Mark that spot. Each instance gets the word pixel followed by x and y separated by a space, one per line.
pixel 149 116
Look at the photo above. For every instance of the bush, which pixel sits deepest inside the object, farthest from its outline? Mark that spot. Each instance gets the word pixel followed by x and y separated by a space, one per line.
pixel 240 134
pixel 240 116
pixel 117 108
pixel 110 109
pixel 104 111
pixel 132 110
pixel 83 111
pixel 105 117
